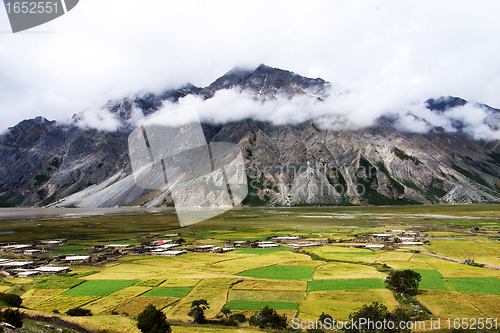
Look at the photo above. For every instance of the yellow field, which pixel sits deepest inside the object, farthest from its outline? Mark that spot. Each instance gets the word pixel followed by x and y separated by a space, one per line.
pixel 137 305
pixel 449 269
pixel 250 284
pixel 486 303
pixel 448 304
pixel 255 261
pixel 63 303
pixel 341 303
pixel 4 288
pixel 410 264
pixel 268 295
pixel 169 283
pixel 334 270
pixel 109 303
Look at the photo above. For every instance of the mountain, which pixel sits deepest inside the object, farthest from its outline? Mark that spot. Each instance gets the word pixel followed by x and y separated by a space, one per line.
pixel 43 163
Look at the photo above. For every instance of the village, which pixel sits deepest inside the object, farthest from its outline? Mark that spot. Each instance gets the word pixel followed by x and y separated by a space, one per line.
pixel 41 258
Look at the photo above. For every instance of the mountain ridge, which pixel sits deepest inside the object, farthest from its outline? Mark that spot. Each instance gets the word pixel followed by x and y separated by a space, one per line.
pixel 43 163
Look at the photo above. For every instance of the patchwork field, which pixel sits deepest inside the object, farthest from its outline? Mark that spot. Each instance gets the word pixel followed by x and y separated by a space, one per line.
pixel 335 278
pixel 109 303
pixel 341 303
pixel 135 306
pixel 178 292
pixel 63 303
pixel 347 284
pixel 99 287
pixel 278 272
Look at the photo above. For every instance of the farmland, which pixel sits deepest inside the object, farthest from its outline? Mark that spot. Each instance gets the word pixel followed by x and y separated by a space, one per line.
pixel 338 276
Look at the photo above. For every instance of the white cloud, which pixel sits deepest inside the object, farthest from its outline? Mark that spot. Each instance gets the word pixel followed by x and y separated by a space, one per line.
pixel 389 54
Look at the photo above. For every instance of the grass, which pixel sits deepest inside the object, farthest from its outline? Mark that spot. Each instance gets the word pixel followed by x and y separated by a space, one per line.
pixel 258 305
pixel 277 272
pixel 267 295
pixel 345 284
pixel 99 287
pixel 477 285
pixel 168 292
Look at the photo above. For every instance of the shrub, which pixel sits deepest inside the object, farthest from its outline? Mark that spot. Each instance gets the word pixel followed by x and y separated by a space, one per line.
pixel 268 318
pixel 79 312
pixel 11 300
pixel 152 320
pixel 377 312
pixel 239 317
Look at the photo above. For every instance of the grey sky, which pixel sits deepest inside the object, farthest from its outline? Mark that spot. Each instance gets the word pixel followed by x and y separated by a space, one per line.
pixel 387 53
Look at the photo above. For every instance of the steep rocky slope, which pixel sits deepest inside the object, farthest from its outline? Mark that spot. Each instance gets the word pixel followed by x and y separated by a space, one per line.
pixel 44 163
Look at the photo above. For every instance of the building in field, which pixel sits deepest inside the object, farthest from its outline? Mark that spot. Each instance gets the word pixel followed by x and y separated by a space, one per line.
pixel 205 248
pixel 170 253
pixel 76 259
pixel 52 270
pixel 374 247
pixel 266 245
pixel 32 253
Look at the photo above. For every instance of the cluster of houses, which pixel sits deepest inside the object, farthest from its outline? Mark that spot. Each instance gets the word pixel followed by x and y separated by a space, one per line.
pixel 27 260
pixel 394 238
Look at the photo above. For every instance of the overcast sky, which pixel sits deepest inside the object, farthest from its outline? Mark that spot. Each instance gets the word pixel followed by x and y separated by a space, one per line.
pixel 390 53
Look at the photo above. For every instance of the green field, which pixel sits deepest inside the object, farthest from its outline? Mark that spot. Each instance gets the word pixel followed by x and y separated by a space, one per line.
pixel 168 292
pixel 477 285
pixel 280 273
pixel 350 284
pixel 99 287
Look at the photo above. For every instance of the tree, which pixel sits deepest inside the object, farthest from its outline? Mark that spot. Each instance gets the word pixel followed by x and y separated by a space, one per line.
pixel 226 317
pixel 79 312
pixel 406 281
pixel 197 312
pixel 152 320
pixel 13 317
pixel 268 318
pixel 11 299
pixel 377 313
